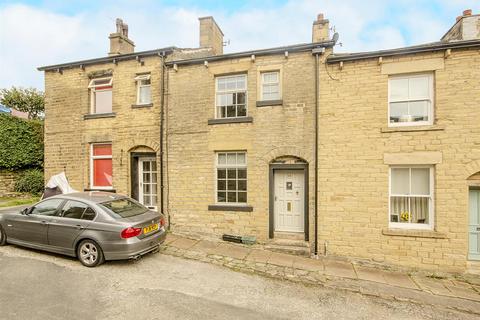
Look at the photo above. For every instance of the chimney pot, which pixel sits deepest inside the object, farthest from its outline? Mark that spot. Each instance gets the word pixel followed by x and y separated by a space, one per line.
pixel 467 12
pixel 320 17
pixel 119 41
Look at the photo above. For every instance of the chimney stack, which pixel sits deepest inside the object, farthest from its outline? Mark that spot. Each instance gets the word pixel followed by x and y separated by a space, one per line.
pixel 211 36
pixel 466 27
pixel 119 41
pixel 320 29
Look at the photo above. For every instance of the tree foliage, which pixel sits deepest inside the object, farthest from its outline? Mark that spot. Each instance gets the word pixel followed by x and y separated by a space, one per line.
pixel 30 181
pixel 21 143
pixel 28 100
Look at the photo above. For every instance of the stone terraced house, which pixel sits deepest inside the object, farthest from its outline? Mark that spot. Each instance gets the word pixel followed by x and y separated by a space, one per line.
pixel 370 155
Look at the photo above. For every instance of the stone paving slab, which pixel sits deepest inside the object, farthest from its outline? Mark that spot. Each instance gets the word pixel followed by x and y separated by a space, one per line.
pixel 435 286
pixel 260 256
pixel 339 269
pixel 206 246
pixel 232 251
pixel 281 259
pixel 183 243
pixel 308 264
pixel 400 280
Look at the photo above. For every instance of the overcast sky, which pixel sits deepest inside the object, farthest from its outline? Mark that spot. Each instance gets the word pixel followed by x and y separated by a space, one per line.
pixel 36 33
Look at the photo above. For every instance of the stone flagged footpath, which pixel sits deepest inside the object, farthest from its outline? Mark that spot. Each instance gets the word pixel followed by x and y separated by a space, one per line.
pixel 451 293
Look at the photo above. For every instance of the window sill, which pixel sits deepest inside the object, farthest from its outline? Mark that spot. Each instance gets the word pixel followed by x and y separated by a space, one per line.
pixel 100 189
pixel 268 103
pixel 230 120
pixel 145 105
pixel 413 128
pixel 221 207
pixel 99 115
pixel 414 233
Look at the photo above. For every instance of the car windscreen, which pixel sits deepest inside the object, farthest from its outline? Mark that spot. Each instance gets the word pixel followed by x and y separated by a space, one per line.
pixel 124 208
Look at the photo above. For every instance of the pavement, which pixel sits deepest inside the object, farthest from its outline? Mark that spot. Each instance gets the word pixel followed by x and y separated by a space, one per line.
pixel 450 292
pixel 37 285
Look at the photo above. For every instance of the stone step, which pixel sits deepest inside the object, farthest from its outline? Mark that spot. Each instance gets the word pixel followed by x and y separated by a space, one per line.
pixel 295 250
pixel 289 242
pixel 289 235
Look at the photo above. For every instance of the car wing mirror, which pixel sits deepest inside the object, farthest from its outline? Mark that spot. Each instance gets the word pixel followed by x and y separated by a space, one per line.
pixel 27 211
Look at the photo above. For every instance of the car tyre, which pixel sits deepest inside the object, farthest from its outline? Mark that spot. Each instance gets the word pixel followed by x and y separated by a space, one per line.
pixel 90 254
pixel 3 237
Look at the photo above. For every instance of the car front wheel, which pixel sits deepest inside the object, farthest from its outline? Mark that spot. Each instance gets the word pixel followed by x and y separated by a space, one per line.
pixel 3 237
pixel 90 254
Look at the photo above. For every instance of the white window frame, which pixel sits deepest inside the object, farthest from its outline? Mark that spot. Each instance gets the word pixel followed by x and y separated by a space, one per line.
pixel 92 157
pixel 227 166
pixel 431 99
pixel 93 89
pixel 217 92
pixel 278 83
pixel 422 226
pixel 139 79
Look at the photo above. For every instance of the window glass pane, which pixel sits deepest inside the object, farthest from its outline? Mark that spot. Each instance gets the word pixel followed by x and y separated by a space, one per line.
pixel 231 112
pixel 399 112
pixel 419 87
pixel 124 208
pixel 146 165
pixel 240 158
pixel 419 110
pixel 221 173
pixel 221 83
pixel 47 207
pixel 222 158
pixel 232 197
pixel 221 185
pixel 144 94
pixel 231 158
pixel 419 208
pixel 231 185
pixel 146 177
pixel 221 196
pixel 154 188
pixel 102 172
pixel 103 101
pixel 242 173
pixel 102 149
pixel 400 181
pixel 270 77
pixel 398 89
pixel 242 197
pixel 242 185
pixel 73 209
pixel 398 208
pixel 241 82
pixel 421 181
pixel 231 84
pixel 101 82
pixel 232 173
pixel 241 111
pixel 154 167
pixel 241 98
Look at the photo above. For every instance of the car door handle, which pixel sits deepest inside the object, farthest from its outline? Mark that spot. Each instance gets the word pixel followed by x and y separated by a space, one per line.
pixel 79 227
pixel 44 222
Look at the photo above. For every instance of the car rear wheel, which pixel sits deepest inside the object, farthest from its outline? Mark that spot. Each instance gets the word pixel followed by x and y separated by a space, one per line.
pixel 3 237
pixel 90 254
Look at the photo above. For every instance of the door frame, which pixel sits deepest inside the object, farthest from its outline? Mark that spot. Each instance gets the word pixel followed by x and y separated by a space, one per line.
pixel 134 182
pixel 271 212
pixel 476 187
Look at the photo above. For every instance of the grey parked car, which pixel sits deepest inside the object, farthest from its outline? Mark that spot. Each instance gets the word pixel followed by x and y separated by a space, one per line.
pixel 92 226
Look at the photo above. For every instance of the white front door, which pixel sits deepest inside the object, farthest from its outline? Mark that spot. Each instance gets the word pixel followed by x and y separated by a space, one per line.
pixel 474 226
pixel 289 201
pixel 147 182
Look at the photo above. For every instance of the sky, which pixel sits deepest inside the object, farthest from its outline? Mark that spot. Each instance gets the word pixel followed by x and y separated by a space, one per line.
pixel 36 33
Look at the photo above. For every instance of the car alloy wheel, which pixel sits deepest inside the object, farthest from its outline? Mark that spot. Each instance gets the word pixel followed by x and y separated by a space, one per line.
pixel 90 254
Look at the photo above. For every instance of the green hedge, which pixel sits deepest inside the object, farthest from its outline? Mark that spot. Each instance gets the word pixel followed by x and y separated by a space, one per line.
pixel 21 143
pixel 30 181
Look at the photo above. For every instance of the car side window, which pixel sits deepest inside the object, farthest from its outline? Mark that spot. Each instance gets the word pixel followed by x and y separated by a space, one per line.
pixel 47 207
pixel 88 214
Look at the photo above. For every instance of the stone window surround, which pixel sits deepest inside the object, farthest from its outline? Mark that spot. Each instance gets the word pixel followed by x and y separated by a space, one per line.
pixel 269 68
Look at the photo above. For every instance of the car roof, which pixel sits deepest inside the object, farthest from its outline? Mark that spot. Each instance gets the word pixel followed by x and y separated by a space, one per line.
pixel 91 196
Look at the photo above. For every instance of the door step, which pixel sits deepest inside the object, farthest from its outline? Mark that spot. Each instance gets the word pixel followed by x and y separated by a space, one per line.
pixel 288 235
pixel 288 246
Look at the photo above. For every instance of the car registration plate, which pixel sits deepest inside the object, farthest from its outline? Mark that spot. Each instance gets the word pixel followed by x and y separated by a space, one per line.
pixel 150 228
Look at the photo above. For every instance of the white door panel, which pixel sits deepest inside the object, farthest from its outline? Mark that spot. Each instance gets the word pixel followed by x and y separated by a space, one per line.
pixel 474 225
pixel 289 200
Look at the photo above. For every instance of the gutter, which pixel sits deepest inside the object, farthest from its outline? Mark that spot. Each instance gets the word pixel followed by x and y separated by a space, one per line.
pixel 436 46
pixel 111 59
pixel 262 52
